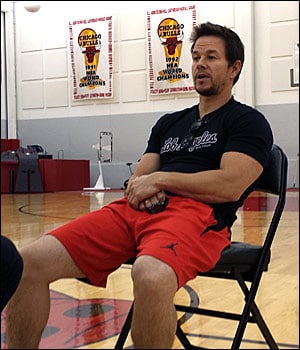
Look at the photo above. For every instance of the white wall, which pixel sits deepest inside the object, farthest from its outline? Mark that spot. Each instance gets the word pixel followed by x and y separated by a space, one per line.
pixel 41 109
pixel 276 25
pixel 43 62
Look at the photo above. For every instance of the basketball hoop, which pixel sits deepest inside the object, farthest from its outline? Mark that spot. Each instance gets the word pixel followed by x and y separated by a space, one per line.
pixel 104 152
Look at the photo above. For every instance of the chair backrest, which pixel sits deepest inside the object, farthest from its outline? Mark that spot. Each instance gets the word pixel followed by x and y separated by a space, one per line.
pixel 274 177
pixel 273 180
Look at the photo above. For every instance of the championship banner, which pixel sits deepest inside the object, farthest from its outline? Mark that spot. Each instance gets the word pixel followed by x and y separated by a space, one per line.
pixel 169 49
pixel 91 58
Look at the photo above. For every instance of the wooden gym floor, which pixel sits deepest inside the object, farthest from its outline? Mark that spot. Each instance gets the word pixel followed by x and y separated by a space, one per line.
pixel 87 317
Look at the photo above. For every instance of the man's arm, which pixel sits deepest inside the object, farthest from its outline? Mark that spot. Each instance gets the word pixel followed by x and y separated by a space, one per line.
pixel 237 172
pixel 149 163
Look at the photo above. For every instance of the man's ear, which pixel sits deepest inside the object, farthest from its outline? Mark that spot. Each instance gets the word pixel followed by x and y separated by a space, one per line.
pixel 236 68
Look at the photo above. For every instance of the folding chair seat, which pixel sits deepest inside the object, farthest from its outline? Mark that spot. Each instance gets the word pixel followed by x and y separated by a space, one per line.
pixel 242 262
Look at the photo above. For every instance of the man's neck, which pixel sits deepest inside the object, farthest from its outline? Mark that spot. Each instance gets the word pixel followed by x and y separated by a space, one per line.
pixel 208 104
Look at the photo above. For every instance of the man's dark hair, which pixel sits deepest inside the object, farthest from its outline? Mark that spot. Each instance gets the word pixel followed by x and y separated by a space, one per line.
pixel 234 48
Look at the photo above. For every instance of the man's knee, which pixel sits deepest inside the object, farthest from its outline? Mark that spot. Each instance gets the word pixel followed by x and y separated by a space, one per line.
pixel 153 275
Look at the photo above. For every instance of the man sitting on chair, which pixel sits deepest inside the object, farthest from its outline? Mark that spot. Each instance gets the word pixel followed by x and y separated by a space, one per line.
pixel 204 161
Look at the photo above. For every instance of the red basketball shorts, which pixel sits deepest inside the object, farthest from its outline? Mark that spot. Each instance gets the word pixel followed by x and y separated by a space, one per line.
pixel 185 236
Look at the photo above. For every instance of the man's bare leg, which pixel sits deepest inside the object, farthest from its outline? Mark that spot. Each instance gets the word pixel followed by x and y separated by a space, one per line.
pixel 45 261
pixel 154 316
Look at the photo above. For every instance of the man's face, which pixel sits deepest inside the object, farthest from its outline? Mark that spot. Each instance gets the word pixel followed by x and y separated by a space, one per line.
pixel 211 73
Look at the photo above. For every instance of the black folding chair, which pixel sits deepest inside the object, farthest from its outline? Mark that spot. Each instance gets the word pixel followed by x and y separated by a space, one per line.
pixel 242 262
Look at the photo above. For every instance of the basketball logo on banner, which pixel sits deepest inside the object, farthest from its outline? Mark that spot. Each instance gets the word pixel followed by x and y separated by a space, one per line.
pixel 90 44
pixel 169 49
pixel 171 35
pixel 91 58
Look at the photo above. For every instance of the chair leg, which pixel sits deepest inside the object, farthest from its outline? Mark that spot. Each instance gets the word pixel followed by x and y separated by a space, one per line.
pixel 125 330
pixel 263 327
pixel 184 340
pixel 251 308
pixel 256 315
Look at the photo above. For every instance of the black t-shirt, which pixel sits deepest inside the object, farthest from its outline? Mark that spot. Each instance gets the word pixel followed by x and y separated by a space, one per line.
pixel 233 127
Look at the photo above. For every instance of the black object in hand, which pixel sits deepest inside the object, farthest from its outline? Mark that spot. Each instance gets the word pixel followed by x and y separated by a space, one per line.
pixel 158 207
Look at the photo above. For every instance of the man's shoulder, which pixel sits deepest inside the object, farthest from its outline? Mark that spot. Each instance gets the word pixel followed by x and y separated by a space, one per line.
pixel 237 110
pixel 244 107
pixel 180 113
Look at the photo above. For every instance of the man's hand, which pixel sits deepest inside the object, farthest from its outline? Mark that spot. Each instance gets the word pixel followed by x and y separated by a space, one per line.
pixel 150 204
pixel 142 192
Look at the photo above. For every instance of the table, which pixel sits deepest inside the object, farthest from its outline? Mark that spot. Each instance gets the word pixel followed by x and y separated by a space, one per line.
pixel 56 175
